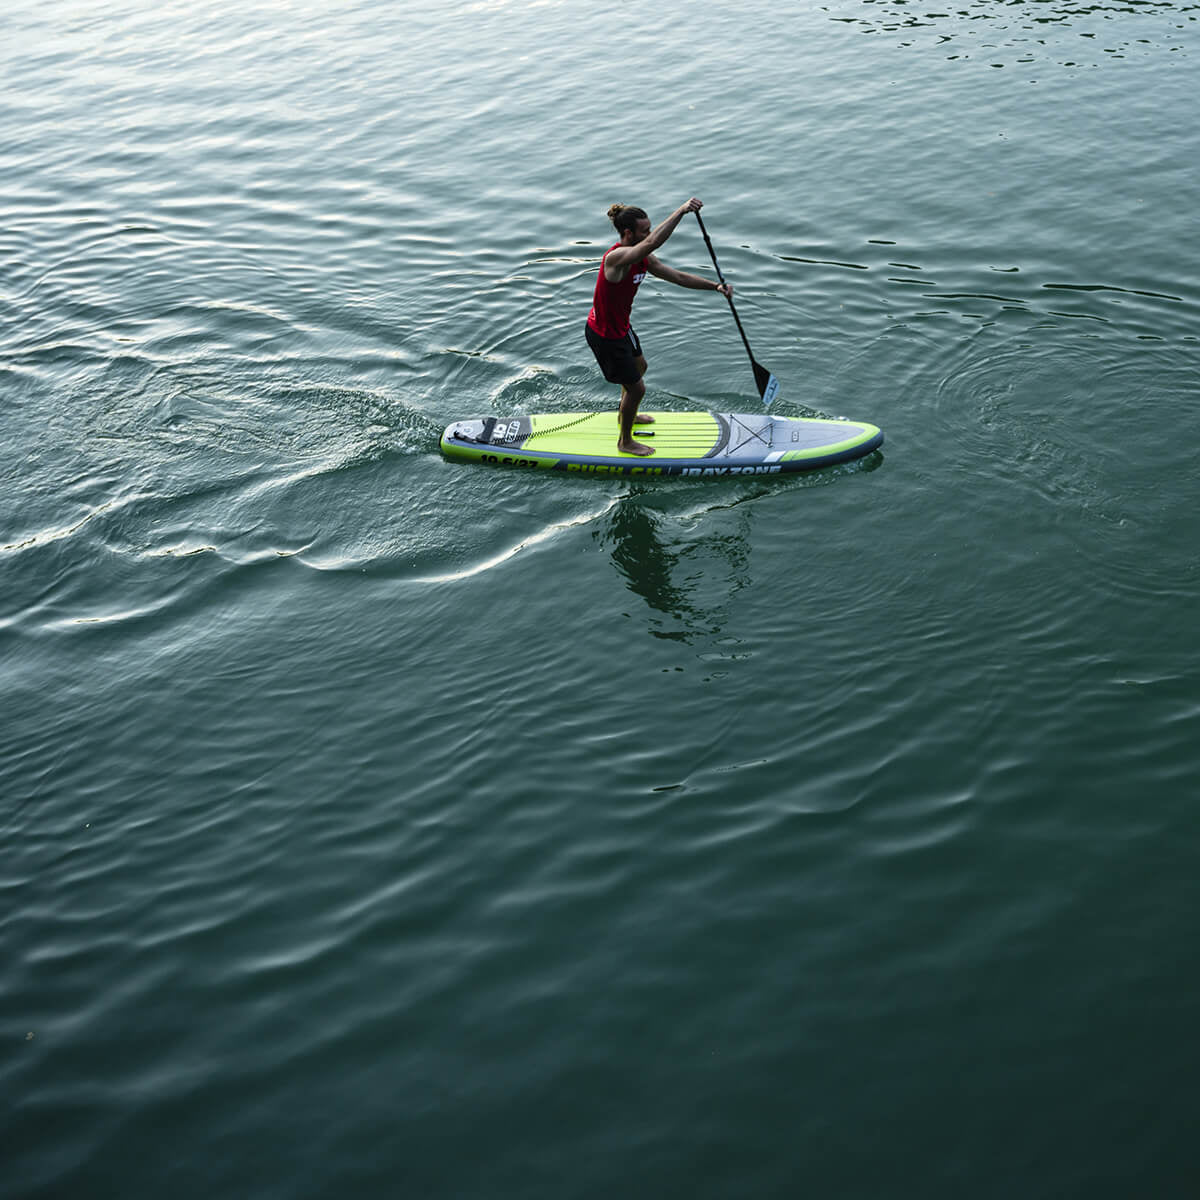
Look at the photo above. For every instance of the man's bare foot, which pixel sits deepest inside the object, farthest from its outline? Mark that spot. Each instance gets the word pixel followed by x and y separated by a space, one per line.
pixel 640 419
pixel 632 447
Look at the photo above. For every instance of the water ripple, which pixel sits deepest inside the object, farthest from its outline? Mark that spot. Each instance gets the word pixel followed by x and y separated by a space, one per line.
pixel 358 806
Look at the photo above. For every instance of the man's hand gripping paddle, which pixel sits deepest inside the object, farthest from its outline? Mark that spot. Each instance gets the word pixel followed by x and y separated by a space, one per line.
pixel 768 385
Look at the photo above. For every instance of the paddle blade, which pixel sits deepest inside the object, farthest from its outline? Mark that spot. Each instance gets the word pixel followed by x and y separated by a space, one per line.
pixel 768 385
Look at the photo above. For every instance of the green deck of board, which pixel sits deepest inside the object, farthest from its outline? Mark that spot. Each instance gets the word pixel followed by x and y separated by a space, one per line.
pixel 673 434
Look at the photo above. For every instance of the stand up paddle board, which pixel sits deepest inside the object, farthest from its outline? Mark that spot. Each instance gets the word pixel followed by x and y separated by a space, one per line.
pixel 699 444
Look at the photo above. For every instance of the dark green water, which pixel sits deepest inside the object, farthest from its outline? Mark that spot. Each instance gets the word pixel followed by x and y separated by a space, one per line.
pixel 377 826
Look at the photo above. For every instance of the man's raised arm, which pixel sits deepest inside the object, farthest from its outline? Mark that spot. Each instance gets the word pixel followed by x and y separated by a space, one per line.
pixel 621 258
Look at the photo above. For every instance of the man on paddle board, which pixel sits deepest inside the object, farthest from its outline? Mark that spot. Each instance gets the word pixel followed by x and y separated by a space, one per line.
pixel 609 333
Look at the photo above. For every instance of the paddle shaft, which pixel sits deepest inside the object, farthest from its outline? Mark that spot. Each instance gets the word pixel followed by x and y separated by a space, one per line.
pixel 737 319
pixel 766 383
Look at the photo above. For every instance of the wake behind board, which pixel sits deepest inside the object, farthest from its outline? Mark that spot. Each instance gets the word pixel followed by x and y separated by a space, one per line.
pixel 698 444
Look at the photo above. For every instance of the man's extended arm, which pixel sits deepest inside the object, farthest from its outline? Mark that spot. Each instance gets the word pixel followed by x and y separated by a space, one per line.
pixel 684 278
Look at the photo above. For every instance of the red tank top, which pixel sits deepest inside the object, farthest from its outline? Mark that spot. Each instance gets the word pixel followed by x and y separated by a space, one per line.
pixel 613 302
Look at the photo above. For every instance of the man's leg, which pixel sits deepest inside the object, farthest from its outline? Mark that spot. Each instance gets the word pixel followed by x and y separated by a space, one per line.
pixel 631 397
pixel 638 418
pixel 640 361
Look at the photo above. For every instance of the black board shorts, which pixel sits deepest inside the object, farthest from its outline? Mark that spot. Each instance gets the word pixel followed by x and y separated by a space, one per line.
pixel 616 356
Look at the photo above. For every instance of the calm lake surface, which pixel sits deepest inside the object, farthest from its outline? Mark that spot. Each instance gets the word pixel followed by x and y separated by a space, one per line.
pixel 376 826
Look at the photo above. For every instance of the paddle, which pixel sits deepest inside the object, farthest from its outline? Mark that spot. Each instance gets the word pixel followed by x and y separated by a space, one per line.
pixel 768 385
